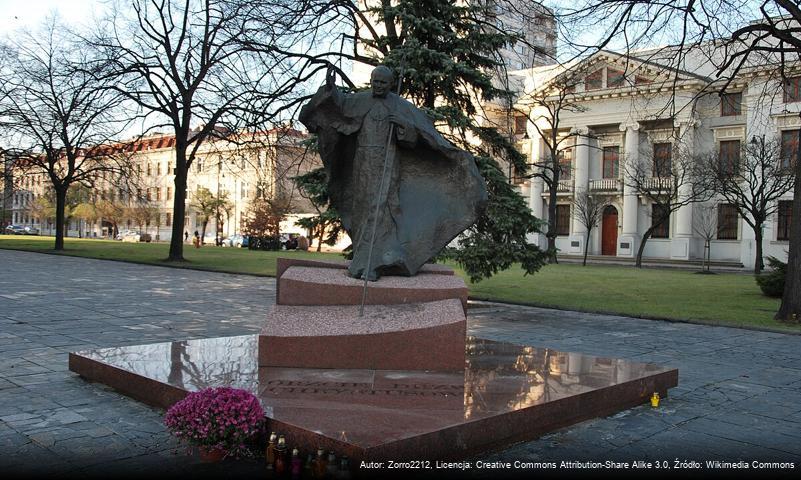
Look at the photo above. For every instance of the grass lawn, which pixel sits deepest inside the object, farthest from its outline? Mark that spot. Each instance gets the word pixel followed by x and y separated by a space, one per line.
pixel 725 299
pixel 218 259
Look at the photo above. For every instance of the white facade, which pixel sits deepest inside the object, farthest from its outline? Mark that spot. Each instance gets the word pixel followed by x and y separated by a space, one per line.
pixel 627 105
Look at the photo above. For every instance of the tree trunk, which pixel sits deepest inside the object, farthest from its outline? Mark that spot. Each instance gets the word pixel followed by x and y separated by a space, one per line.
pixel 61 203
pixel 640 251
pixel 203 230
pixel 758 264
pixel 551 235
pixel 586 247
pixel 790 309
pixel 179 206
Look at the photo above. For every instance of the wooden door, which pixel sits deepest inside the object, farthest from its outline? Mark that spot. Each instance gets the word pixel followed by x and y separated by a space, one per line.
pixel 609 231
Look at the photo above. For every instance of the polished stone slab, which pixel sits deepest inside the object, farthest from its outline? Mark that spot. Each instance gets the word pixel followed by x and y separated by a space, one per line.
pixel 505 394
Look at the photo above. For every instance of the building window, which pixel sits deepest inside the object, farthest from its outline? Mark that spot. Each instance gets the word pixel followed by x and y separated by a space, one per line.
pixel 731 104
pixel 158 193
pixel 792 89
pixel 663 153
pixel 594 80
pixel 149 170
pixel 520 124
pixel 168 219
pixel 169 193
pixel 611 162
pixel 149 194
pixel 785 220
pixel 158 168
pixel 789 153
pixel 563 220
pixel 614 78
pixel 727 222
pixel 660 218
pixel 566 164
pixel 729 158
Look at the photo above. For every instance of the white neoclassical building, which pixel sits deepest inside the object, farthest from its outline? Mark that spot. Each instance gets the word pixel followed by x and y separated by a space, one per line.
pixel 625 107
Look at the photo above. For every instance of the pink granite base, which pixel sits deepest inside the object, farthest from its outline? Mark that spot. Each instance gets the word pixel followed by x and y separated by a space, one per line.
pixel 505 394
pixel 327 286
pixel 420 336
pixel 410 323
pixel 282 263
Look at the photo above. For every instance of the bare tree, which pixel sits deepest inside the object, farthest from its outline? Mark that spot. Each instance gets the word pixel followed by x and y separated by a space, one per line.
pixel 705 225
pixel 754 184
pixel 588 210
pixel 547 104
pixel 684 186
pixel 206 69
pixel 58 114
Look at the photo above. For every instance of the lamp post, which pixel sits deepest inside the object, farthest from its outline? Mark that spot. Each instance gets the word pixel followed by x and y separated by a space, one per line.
pixel 217 206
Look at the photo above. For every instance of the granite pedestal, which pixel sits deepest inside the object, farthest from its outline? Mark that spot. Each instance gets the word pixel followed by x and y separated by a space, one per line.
pixel 401 382
pixel 504 394
pixel 408 323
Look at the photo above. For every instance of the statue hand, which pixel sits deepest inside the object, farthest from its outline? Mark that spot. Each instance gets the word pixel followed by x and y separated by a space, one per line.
pixel 330 78
pixel 397 120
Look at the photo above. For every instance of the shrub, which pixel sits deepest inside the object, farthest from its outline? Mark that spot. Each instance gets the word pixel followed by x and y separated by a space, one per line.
pixel 772 283
pixel 221 418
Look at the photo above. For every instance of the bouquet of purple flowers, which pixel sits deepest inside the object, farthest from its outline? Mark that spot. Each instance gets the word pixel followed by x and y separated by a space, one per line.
pixel 221 419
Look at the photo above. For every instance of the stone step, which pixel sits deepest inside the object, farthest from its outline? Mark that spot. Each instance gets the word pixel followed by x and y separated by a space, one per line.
pixel 416 336
pixel 300 285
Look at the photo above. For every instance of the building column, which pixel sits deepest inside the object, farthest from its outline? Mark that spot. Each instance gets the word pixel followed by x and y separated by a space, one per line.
pixel 581 179
pixel 535 183
pixel 682 242
pixel 629 240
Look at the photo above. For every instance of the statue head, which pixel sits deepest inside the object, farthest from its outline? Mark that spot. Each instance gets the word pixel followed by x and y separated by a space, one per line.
pixel 381 81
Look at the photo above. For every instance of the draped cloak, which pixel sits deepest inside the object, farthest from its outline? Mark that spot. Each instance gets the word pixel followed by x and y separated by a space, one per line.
pixel 432 190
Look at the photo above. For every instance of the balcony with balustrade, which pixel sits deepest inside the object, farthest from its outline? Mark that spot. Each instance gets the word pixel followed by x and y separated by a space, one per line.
pixel 607 185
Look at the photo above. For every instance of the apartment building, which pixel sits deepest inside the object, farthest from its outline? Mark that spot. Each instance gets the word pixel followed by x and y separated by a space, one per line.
pixel 242 170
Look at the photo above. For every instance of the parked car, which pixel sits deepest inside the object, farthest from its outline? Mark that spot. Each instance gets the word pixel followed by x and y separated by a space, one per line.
pixel 127 233
pixel 31 231
pixel 15 230
pixel 134 236
pixel 210 238
pixel 236 240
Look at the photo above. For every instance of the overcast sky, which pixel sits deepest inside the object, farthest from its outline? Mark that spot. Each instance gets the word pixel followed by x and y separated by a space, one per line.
pixel 16 14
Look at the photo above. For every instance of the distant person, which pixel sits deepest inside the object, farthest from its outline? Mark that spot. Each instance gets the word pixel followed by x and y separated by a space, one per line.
pixel 196 239
pixel 303 243
pixel 186 236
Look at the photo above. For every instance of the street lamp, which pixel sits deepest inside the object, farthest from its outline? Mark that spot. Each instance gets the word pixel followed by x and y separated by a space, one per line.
pixel 218 240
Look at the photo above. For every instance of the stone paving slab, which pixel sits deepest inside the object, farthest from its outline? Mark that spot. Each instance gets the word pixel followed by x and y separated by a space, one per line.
pixel 739 393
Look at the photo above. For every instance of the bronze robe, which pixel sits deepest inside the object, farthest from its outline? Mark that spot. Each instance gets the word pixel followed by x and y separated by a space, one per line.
pixel 432 190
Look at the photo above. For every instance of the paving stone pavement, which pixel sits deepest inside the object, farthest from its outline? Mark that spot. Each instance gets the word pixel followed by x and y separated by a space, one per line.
pixel 739 393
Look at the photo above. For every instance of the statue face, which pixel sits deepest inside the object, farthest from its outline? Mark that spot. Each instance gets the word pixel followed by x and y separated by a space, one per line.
pixel 380 84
